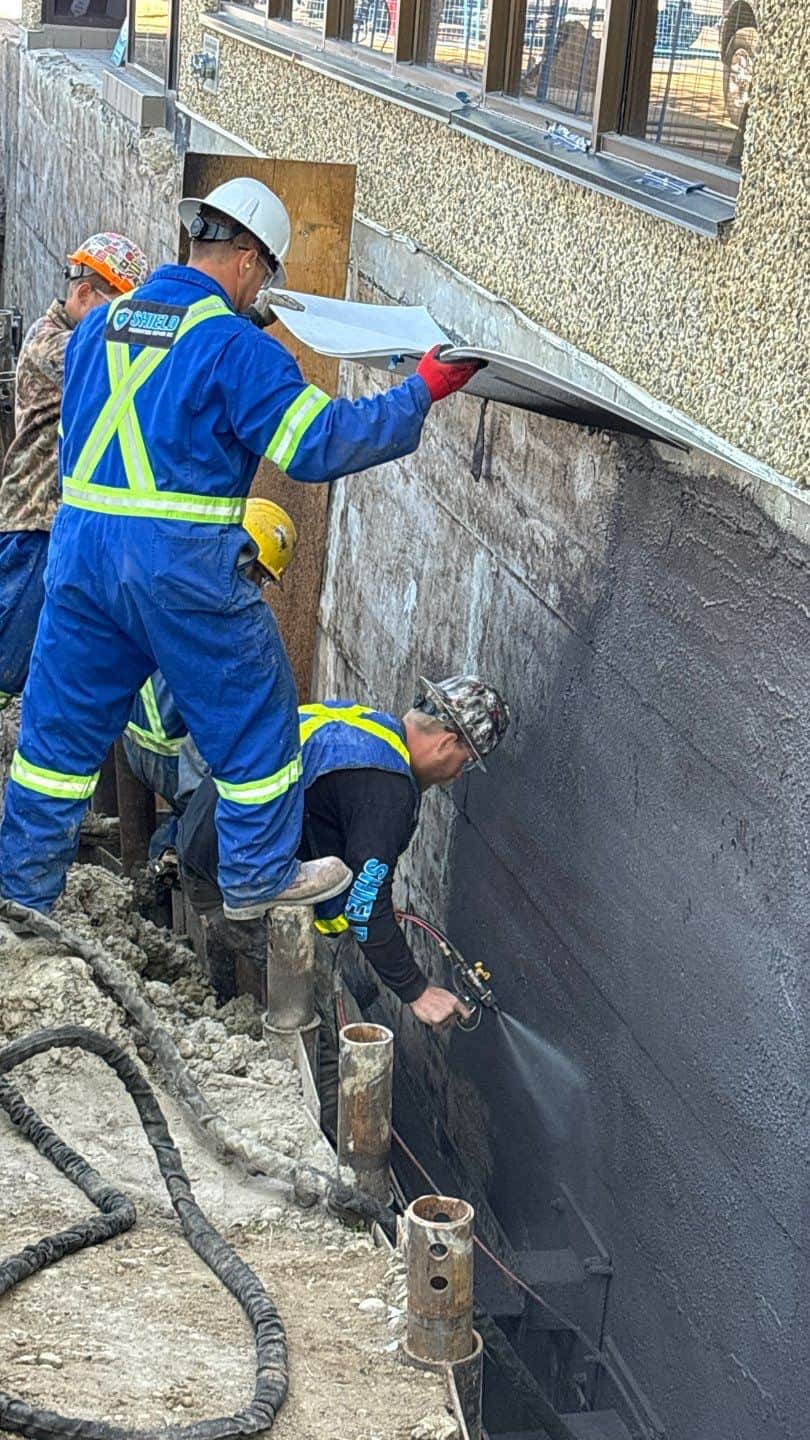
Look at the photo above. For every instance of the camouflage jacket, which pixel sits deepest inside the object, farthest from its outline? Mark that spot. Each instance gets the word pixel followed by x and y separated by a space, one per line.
pixel 29 493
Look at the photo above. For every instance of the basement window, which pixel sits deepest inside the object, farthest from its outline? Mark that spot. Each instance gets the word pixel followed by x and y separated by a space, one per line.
pixel 691 71
pixel 375 24
pixel 559 54
pixel 452 38
pixel 101 14
pixel 647 99
pixel 152 45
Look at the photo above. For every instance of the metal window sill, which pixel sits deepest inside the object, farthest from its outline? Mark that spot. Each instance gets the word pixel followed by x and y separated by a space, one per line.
pixel 69 37
pixel 135 95
pixel 698 210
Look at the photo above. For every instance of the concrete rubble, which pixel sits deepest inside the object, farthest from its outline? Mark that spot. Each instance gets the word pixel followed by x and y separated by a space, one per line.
pixel 137 1331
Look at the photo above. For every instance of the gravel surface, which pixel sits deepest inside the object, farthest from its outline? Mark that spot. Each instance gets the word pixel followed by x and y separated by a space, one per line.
pixel 138 1331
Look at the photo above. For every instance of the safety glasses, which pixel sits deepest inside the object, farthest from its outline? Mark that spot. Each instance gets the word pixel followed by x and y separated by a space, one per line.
pixel 472 762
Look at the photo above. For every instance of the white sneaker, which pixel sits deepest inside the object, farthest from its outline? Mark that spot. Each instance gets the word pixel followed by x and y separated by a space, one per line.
pixel 315 881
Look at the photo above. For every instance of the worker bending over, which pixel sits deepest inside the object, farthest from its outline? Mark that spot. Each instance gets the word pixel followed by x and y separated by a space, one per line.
pixel 160 751
pixel 172 397
pixel 105 266
pixel 364 775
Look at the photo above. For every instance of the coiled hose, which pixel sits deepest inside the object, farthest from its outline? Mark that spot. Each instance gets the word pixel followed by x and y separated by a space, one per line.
pixel 303 1183
pixel 117 1214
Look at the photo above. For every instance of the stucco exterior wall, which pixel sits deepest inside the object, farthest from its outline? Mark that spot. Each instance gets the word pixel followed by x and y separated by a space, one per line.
pixel 714 327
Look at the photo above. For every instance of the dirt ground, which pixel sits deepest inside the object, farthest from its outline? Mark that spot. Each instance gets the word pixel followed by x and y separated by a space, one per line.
pixel 138 1332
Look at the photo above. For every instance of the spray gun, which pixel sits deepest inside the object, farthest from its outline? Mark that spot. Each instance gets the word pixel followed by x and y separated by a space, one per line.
pixel 471 982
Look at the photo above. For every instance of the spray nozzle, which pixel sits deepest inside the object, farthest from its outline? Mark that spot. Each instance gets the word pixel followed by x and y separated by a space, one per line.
pixel 472 983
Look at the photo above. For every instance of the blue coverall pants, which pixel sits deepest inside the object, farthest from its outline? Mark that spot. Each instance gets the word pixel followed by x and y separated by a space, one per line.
pixel 23 557
pixel 124 596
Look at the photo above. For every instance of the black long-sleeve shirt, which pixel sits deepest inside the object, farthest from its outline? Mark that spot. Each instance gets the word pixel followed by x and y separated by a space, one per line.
pixel 366 817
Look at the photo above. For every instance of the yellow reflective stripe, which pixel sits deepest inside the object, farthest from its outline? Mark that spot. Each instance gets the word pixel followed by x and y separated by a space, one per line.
pixel 159 505
pixel 258 792
pixel 52 782
pixel 112 413
pixel 133 451
pixel 135 374
pixel 150 705
pixel 148 741
pixel 332 927
pixel 294 424
pixel 355 715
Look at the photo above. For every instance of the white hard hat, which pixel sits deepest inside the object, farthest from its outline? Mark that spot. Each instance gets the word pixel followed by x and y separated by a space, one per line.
pixel 254 207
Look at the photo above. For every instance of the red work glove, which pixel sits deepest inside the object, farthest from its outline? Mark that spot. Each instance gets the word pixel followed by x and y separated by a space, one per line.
pixel 443 379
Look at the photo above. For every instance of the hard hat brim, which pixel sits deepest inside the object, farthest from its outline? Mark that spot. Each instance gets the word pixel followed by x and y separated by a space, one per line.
pixel 188 208
pixel 447 709
pixel 90 262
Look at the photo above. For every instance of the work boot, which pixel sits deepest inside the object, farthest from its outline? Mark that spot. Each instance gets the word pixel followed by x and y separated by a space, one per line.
pixel 315 881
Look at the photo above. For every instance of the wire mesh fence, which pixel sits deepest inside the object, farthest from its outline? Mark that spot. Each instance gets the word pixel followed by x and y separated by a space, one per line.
pixel 374 24
pixel 700 77
pixel 310 13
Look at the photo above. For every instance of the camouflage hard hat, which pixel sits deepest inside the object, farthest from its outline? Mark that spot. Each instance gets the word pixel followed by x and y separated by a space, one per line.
pixel 469 706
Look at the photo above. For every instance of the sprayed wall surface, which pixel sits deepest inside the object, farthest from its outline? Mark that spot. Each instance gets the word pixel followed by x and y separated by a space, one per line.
pixel 712 327
pixel 632 868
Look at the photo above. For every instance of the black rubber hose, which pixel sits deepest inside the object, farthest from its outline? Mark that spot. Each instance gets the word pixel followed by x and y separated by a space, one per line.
pixel 118 1215
pixel 306 1183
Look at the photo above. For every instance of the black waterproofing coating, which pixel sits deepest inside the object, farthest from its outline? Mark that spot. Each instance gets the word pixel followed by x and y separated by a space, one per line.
pixel 117 1214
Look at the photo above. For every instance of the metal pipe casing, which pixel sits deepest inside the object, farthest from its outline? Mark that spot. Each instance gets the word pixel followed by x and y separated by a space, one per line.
pixel 365 1088
pixel 466 1379
pixel 290 967
pixel 439 1260
pixel 136 810
pixel 105 795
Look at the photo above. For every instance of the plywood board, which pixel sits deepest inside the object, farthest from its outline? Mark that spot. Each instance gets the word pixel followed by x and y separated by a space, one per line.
pixel 320 201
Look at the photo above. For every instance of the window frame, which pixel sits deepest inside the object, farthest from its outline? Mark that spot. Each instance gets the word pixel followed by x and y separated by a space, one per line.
pixel 168 80
pixel 621 90
pixel 90 22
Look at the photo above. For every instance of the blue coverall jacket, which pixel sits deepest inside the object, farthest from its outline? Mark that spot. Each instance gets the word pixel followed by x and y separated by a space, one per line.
pixel 170 402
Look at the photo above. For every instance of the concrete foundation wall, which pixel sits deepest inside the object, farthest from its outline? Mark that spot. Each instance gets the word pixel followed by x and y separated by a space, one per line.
pixel 631 869
pixel 73 165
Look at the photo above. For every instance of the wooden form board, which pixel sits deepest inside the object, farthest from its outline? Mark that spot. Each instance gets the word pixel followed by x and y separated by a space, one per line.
pixel 320 202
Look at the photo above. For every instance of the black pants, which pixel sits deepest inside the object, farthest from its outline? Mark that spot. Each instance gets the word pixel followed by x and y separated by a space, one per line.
pixel 226 941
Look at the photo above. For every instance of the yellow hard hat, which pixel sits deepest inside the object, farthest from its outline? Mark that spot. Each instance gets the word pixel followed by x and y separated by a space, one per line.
pixel 274 533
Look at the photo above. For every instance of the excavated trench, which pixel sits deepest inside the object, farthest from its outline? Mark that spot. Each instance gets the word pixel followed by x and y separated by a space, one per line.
pixel 136 1331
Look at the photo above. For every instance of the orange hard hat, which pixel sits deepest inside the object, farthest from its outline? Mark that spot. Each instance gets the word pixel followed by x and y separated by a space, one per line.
pixel 119 261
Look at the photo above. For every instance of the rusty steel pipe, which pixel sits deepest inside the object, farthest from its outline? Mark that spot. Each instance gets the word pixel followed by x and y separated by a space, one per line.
pixel 290 967
pixel 105 795
pixel 136 810
pixel 365 1088
pixel 439 1261
pixel 290 1017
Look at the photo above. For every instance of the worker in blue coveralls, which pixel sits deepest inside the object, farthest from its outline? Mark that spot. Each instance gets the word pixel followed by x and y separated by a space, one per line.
pixel 171 399
pixel 160 751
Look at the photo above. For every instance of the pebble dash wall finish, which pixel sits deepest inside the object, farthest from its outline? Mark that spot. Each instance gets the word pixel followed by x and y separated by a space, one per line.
pixel 716 328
